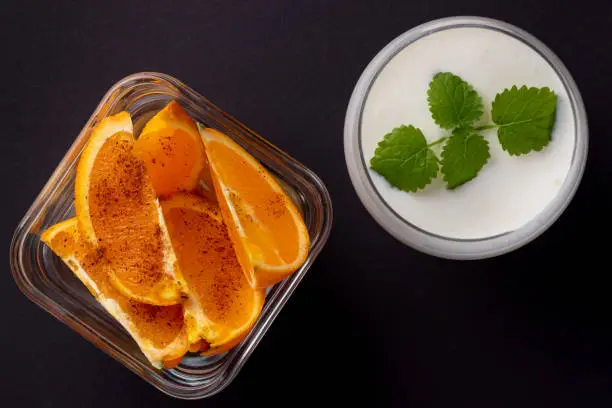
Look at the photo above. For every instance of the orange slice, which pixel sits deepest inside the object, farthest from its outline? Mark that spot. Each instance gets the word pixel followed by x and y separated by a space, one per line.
pixel 171 148
pixel 159 331
pixel 268 232
pixel 222 305
pixel 121 122
pixel 207 351
pixel 119 214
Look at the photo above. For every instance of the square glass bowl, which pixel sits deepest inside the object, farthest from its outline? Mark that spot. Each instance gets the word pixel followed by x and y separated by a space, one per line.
pixel 44 278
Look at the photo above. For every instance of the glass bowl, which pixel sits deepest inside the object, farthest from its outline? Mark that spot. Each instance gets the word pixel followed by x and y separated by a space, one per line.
pixel 401 228
pixel 44 278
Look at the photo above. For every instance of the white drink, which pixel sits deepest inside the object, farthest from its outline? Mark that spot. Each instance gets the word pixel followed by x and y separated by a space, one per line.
pixel 509 191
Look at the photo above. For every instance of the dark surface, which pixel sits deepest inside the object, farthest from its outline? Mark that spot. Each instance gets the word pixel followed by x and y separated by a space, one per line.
pixel 374 323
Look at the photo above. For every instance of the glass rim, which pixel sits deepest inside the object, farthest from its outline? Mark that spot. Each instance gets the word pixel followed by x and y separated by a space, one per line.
pixel 418 238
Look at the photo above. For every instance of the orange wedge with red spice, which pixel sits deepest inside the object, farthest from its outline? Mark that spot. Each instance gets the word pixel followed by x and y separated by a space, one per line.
pixel 159 331
pixel 171 149
pixel 268 232
pixel 118 214
pixel 222 306
pixel 180 271
pixel 207 351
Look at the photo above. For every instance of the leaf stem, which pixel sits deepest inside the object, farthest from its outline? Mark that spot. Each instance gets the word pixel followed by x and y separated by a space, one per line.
pixel 440 140
pixel 485 127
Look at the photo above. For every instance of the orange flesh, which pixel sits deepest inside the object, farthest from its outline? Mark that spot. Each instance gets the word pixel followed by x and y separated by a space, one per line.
pixel 257 198
pixel 124 215
pixel 170 364
pixel 207 351
pixel 195 346
pixel 209 265
pixel 172 150
pixel 160 324
pixel 238 241
pixel 170 156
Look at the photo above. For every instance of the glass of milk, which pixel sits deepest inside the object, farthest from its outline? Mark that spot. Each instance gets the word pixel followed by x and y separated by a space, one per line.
pixel 513 199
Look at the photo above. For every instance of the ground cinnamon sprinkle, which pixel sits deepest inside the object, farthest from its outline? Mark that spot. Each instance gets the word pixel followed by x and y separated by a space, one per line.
pixel 124 214
pixel 160 324
pixel 209 264
pixel 275 207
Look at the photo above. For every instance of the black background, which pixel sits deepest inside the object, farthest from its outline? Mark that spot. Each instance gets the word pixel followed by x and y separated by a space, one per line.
pixel 374 323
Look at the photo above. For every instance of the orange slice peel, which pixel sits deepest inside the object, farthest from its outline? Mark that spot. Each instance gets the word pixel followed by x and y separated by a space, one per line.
pixel 171 148
pixel 222 306
pixel 119 214
pixel 268 232
pixel 159 331
pixel 121 122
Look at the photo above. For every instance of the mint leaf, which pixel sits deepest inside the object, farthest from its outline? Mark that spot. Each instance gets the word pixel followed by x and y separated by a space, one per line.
pixel 452 101
pixel 463 155
pixel 405 160
pixel 525 117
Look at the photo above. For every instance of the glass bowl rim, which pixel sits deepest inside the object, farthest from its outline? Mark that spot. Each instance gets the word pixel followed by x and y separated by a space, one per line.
pixel 243 351
pixel 422 240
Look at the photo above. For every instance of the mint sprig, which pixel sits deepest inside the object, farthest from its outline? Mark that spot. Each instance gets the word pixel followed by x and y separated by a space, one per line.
pixel 463 155
pixel 453 102
pixel 524 118
pixel 405 160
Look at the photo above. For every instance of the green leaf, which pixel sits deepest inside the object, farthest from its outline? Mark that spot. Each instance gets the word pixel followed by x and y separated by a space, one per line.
pixel 463 155
pixel 525 117
pixel 452 101
pixel 405 160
